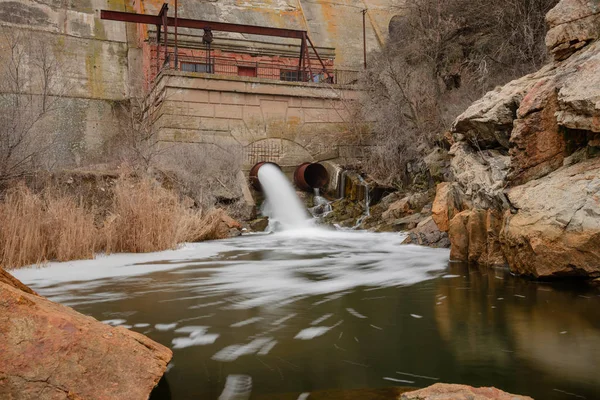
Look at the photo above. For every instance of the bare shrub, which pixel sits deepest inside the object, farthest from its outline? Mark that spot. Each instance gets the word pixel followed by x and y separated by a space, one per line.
pixel 29 94
pixel 205 172
pixel 443 55
pixel 136 142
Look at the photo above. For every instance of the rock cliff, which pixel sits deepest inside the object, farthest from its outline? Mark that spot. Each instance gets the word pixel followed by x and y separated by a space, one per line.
pixel 526 190
pixel 49 351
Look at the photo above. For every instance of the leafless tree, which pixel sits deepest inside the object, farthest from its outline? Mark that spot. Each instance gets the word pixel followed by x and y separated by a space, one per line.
pixel 29 93
pixel 441 56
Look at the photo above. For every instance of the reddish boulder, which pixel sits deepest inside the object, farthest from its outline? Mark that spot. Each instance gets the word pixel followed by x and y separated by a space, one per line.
pixel 445 205
pixel 537 144
pixel 49 351
pixel 444 391
pixel 474 235
pixel 397 209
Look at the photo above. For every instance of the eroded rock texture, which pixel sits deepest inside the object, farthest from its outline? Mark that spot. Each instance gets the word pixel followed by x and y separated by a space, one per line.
pixel 49 351
pixel 525 162
pixel 444 391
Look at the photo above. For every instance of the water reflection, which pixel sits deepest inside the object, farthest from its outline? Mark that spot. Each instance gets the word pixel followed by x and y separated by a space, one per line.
pixel 549 330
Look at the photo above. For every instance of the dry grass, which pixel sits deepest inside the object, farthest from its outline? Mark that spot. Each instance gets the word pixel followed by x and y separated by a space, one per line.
pixel 35 228
pixel 21 229
pixel 145 217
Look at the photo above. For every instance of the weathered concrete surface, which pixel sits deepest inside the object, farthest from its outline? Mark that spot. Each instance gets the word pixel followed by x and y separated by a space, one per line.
pixel 91 63
pixel 100 62
pixel 445 391
pixel 49 351
pixel 283 122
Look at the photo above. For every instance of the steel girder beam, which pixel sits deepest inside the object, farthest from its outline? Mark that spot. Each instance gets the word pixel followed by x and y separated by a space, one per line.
pixel 199 24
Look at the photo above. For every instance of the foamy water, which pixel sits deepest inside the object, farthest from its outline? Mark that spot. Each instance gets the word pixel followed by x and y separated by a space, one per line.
pixel 285 267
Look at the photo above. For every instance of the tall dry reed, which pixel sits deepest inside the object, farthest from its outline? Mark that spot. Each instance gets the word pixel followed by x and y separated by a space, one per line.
pixel 145 217
pixel 21 229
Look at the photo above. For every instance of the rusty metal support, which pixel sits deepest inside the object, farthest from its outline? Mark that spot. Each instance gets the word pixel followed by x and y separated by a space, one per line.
pixel 307 58
pixel 176 46
pixel 164 12
pixel 199 24
pixel 162 19
pixel 301 58
pixel 364 13
pixel 319 58
pixel 158 29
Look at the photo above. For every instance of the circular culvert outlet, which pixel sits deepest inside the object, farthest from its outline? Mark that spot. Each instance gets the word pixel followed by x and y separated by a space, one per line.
pixel 309 176
pixel 254 174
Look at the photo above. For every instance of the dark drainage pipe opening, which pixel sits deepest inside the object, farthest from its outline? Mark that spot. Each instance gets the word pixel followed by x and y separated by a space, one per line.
pixel 309 176
pixel 254 174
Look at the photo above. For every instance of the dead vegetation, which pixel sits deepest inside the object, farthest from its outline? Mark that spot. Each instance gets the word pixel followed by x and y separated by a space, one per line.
pixel 144 217
pixel 443 55
pixel 29 94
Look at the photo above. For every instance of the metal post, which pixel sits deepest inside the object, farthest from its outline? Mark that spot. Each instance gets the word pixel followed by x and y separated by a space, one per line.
pixel 364 13
pixel 158 30
pixel 165 16
pixel 176 49
pixel 301 58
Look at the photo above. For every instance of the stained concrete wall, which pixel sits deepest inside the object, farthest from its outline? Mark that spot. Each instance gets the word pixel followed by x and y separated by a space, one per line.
pixel 94 65
pixel 100 61
pixel 283 122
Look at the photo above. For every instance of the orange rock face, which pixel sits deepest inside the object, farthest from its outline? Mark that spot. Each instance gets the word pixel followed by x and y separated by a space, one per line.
pixel 537 145
pixel 443 391
pixel 49 351
pixel 445 206
pixel 546 218
pixel 474 235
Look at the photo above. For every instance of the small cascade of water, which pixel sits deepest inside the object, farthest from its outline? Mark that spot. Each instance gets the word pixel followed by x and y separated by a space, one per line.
pixel 342 184
pixel 322 206
pixel 318 199
pixel 283 205
pixel 367 196
pixel 367 203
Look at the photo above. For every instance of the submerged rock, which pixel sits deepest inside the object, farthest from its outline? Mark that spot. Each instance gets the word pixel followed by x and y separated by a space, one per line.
pixel 49 351
pixel 444 391
pixel 259 224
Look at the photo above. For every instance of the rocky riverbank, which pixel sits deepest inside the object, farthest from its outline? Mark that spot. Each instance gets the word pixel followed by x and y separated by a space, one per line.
pixel 522 171
pixel 526 188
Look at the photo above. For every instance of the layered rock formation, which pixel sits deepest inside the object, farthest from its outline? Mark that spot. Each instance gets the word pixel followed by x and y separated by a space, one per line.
pixel 526 191
pixel 49 351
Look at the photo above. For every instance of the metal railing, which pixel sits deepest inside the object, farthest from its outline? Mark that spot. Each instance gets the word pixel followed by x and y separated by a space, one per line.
pixel 278 72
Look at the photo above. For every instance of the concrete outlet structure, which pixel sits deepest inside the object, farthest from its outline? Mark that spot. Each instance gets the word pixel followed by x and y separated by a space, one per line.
pixel 283 122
